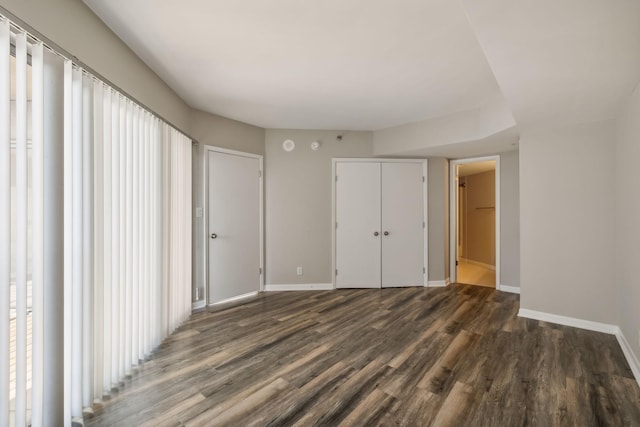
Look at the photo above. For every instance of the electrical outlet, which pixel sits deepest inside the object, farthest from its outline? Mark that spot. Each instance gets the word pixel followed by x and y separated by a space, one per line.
pixel 299 271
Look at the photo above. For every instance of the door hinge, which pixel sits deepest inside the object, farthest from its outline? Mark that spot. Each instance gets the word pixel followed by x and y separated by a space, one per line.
pixel 260 271
pixel 259 174
pixel 424 270
pixel 336 271
pixel 456 263
pixel 336 225
pixel 423 179
pixel 336 178
pixel 423 225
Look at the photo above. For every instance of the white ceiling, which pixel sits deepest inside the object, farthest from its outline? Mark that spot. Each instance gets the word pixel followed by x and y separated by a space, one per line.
pixel 567 61
pixel 373 64
pixel 320 64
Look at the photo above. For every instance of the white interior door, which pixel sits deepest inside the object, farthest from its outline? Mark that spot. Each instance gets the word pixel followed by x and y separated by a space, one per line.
pixel 234 225
pixel 402 225
pixel 358 234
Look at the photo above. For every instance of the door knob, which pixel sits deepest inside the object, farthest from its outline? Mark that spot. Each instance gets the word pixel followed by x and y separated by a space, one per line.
pixel 375 233
pixel 386 233
pixel 214 235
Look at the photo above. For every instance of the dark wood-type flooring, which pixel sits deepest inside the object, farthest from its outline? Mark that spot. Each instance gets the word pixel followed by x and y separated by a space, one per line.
pixel 456 356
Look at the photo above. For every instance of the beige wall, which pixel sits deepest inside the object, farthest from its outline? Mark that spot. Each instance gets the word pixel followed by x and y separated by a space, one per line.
pixel 218 131
pixel 298 201
pixel 628 226
pixel 510 219
pixel 479 238
pixel 73 26
pixel 567 221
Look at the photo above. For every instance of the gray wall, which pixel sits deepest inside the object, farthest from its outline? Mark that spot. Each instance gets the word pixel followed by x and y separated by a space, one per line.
pixel 74 27
pixel 216 131
pixel 298 201
pixel 438 219
pixel 298 205
pixel 567 221
pixel 627 219
pixel 510 218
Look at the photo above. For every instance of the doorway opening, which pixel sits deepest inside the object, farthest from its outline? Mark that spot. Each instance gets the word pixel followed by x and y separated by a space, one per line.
pixel 475 219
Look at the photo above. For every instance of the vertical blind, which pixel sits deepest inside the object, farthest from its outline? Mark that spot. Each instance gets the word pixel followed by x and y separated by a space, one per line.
pixel 126 203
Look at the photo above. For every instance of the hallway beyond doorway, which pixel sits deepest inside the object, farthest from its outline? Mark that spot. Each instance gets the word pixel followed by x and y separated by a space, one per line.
pixel 471 273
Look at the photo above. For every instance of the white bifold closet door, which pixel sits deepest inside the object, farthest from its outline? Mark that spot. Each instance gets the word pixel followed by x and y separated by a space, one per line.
pixel 402 225
pixel 379 224
pixel 234 225
pixel 358 241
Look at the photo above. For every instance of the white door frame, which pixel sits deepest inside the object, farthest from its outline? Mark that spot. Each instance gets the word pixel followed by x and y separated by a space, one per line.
pixel 453 214
pixel 205 213
pixel 425 209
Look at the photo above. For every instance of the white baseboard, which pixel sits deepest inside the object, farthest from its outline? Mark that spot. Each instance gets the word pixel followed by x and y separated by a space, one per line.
pixel 299 287
pixel 629 355
pixel 437 283
pixel 198 305
pixel 232 299
pixel 507 288
pixel 481 264
pixel 569 321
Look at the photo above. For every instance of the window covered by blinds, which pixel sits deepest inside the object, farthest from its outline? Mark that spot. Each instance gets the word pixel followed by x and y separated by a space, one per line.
pixel 120 190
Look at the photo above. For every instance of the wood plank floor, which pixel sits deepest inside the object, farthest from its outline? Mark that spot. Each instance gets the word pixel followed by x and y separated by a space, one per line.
pixel 456 356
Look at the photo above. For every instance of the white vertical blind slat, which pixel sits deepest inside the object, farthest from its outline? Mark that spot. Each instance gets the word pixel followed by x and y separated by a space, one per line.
pixel 5 216
pixel 88 282
pixel 123 238
pixel 147 281
pixel 135 356
pixel 108 238
pixel 129 237
pixel 115 248
pixel 68 237
pixel 77 242
pixel 37 297
pixel 140 235
pixel 98 295
pixel 21 229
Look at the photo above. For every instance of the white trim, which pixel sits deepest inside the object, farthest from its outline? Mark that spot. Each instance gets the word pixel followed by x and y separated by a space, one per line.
pixel 634 364
pixel 236 298
pixel 425 209
pixel 299 287
pixel 453 202
pixel 478 263
pixel 507 288
pixel 205 215
pixel 569 321
pixel 437 283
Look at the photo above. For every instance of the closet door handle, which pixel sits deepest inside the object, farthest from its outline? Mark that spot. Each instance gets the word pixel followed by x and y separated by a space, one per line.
pixel 375 233
pixel 214 236
pixel 386 233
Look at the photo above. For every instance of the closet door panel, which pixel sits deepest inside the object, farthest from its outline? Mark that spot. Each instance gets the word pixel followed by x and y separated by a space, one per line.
pixel 358 220
pixel 402 218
